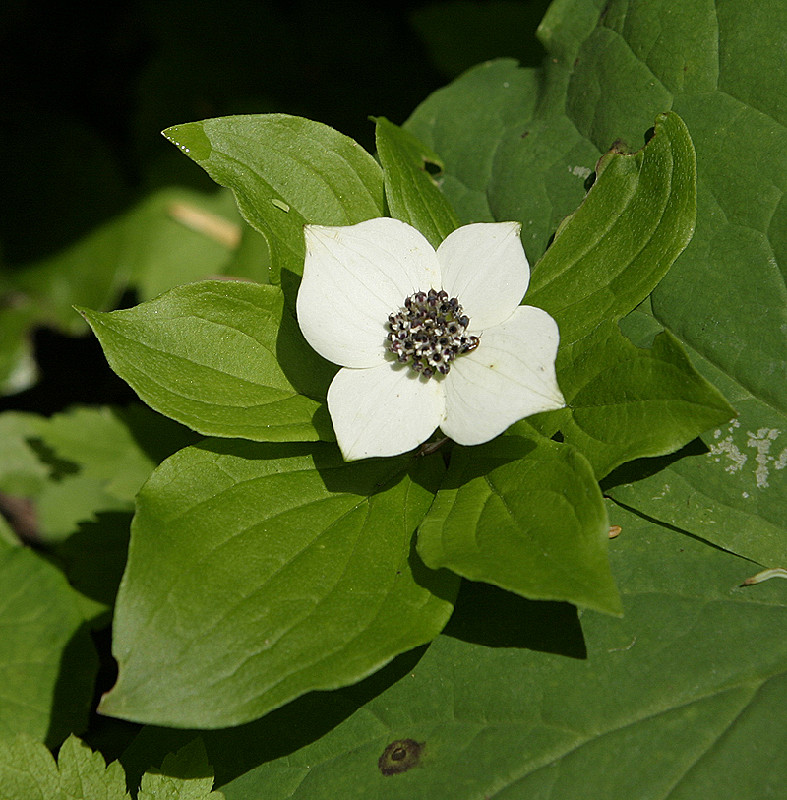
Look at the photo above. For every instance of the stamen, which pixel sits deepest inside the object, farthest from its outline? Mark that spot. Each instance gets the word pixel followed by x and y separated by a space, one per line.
pixel 429 332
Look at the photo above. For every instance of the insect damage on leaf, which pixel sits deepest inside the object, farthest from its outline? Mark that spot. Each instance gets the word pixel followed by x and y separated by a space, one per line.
pixel 399 756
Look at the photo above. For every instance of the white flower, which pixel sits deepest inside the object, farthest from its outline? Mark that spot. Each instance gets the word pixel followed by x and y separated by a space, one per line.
pixel 364 303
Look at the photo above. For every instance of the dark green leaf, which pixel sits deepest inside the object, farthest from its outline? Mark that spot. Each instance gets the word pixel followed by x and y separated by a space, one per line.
pixel 676 699
pixel 735 493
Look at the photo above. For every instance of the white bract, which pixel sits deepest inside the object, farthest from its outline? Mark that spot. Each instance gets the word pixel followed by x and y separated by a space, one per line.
pixel 464 357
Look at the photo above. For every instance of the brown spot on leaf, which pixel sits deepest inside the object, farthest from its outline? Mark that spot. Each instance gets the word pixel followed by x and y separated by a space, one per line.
pixel 399 756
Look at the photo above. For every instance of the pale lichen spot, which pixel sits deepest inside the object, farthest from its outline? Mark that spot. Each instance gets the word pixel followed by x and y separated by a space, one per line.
pixel 760 441
pixel 726 449
pixel 580 172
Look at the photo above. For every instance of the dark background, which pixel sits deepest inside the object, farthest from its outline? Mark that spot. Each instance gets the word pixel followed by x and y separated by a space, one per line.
pixel 86 89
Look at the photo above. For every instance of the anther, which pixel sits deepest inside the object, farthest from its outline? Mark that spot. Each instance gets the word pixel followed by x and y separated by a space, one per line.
pixel 428 332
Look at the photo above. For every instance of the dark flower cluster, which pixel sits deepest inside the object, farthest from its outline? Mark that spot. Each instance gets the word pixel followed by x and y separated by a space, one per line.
pixel 428 333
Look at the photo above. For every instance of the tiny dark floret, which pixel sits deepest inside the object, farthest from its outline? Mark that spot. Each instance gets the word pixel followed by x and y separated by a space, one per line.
pixel 429 332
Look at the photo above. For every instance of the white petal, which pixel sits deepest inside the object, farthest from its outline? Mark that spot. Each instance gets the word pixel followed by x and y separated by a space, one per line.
pixel 510 375
pixel 383 411
pixel 485 267
pixel 354 276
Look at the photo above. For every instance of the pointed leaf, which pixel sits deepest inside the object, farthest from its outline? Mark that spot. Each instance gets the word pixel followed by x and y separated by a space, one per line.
pixel 625 402
pixel 523 513
pixel 224 358
pixel 636 220
pixel 285 172
pixel 256 575
pixel 410 191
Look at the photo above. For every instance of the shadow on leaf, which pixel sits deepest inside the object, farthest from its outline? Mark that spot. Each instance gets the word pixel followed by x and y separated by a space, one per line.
pixel 235 751
pixel 95 556
pixel 493 617
pixel 640 468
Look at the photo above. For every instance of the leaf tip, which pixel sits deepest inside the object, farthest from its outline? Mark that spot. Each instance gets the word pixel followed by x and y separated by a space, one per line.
pixel 191 139
pixel 84 312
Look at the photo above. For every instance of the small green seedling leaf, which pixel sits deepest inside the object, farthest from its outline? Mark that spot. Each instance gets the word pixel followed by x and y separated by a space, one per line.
pixel 185 775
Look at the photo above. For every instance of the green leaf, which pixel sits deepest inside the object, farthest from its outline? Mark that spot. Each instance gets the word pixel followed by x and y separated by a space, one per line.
pixel 523 513
pixel 735 493
pixel 636 220
pixel 625 402
pixel 610 68
pixel 123 446
pixel 256 574
pixel 285 172
pixel 500 161
pixel 69 477
pixel 75 492
pixel 176 236
pixel 28 771
pixel 21 472
pixel 85 774
pixel 410 191
pixel 89 271
pixel 173 236
pixel 222 357
pixel 185 775
pixel 47 660
pixel 18 369
pixel 676 699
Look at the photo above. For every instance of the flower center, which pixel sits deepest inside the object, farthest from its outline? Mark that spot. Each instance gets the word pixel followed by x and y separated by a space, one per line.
pixel 428 332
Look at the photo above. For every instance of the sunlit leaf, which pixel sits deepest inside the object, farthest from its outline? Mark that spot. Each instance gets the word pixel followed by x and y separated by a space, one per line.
pixel 257 573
